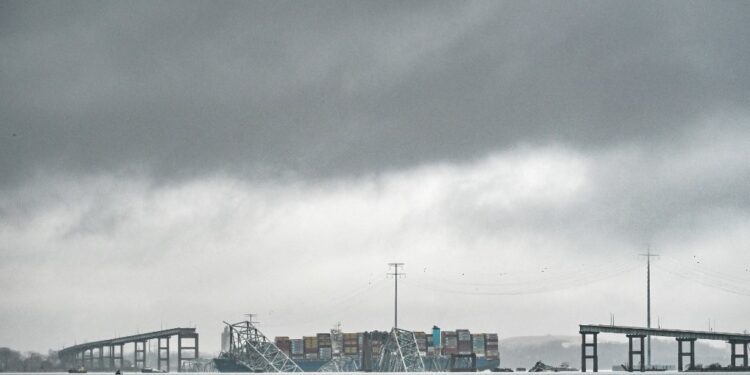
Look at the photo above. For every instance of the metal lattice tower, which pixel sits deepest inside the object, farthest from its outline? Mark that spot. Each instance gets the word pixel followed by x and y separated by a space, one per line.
pixel 250 347
pixel 400 353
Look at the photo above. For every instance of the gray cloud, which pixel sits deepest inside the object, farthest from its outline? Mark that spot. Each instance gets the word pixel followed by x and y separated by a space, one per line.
pixel 556 223
pixel 216 148
pixel 340 88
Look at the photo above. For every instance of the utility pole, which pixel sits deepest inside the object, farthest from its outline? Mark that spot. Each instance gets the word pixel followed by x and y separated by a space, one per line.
pixel 395 275
pixel 648 256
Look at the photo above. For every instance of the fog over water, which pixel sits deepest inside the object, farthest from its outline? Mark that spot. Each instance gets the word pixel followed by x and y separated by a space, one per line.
pixel 176 164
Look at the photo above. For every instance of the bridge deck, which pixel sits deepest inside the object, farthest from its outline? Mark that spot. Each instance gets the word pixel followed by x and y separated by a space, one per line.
pixel 704 335
pixel 129 339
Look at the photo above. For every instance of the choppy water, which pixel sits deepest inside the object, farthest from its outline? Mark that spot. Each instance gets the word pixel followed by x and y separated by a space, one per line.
pixel 384 373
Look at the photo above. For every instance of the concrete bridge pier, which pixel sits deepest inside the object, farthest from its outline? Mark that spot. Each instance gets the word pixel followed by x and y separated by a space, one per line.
pixel 180 348
pixel 101 357
pixel 117 355
pixel 139 354
pixel 741 355
pixel 639 352
pixel 163 353
pixel 681 353
pixel 89 362
pixel 111 356
pixel 594 356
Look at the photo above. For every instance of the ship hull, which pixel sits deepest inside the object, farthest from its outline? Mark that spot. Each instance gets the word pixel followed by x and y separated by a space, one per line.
pixel 229 365
pixel 313 365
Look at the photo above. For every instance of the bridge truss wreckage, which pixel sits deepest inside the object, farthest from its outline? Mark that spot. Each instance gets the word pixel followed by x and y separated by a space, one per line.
pixel 251 348
pixel 338 362
pixel 401 353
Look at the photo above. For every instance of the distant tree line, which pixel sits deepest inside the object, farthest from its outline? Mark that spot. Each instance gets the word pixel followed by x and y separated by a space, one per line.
pixel 15 361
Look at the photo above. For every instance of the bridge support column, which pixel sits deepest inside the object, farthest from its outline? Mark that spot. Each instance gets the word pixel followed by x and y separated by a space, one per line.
pixel 681 353
pixel 180 348
pixel 179 353
pixel 118 356
pixel 90 358
pixel 111 357
pixel 163 353
pixel 142 357
pixel 101 357
pixel 122 355
pixel 735 354
pixel 584 352
pixel 632 352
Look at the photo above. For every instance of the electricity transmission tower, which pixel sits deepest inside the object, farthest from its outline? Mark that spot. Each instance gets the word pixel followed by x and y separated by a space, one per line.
pixel 648 256
pixel 400 352
pixel 395 275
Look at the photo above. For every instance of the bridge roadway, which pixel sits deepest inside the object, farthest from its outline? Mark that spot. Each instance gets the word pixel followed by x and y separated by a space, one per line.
pixel 682 336
pixel 83 354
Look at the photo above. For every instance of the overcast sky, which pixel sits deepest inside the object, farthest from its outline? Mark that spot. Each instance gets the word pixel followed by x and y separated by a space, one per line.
pixel 182 163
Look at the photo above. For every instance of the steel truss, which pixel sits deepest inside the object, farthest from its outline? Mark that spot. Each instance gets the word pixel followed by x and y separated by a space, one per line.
pixel 400 353
pixel 250 347
pixel 340 364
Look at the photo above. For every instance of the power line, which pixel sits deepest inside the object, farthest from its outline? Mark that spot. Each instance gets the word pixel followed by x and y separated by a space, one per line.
pixel 534 289
pixel 708 283
pixel 322 308
pixel 703 270
pixel 539 280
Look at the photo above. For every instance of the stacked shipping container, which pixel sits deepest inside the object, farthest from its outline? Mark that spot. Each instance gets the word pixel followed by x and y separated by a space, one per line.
pixel 450 342
pixel 491 347
pixel 464 341
pixel 297 349
pixel 430 344
pixel 324 345
pixel 360 344
pixel 284 344
pixel 353 344
pixel 311 347
pixel 477 344
pixel 421 342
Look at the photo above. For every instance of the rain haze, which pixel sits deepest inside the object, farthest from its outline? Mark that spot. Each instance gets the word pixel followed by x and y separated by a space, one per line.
pixel 176 164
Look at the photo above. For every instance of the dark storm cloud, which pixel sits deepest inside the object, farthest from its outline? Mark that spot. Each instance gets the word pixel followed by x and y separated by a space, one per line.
pixel 331 88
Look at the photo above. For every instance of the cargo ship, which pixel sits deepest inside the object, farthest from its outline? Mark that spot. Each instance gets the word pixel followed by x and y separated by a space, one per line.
pixel 436 348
